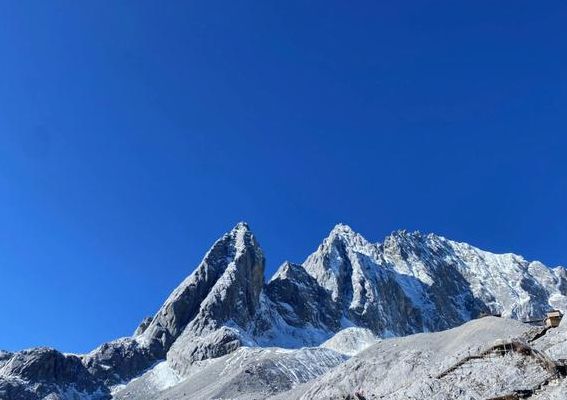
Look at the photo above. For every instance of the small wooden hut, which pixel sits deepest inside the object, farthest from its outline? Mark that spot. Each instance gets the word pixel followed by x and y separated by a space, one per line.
pixel 553 318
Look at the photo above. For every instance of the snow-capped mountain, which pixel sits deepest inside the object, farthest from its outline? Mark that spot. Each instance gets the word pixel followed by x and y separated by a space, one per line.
pixel 415 283
pixel 225 314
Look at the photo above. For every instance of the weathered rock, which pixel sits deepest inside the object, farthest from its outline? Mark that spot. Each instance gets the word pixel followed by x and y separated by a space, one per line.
pixel 40 372
pixel 301 300
pixel 224 287
pixel 233 301
pixel 197 348
pixel 121 360
pixel 143 326
pixel 4 357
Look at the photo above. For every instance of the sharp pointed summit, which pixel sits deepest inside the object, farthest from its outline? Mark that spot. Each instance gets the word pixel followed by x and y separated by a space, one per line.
pixel 224 287
pixel 241 226
pixel 342 229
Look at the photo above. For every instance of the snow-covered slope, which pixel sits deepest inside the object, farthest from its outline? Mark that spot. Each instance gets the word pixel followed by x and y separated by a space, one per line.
pixel 247 373
pixel 344 297
pixel 351 341
pixel 412 367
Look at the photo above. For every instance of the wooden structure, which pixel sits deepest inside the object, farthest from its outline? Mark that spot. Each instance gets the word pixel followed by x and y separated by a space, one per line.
pixel 552 319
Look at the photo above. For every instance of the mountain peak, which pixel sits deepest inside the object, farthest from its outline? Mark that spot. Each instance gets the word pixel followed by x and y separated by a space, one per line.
pixel 223 289
pixel 343 235
pixel 342 229
pixel 242 237
pixel 241 227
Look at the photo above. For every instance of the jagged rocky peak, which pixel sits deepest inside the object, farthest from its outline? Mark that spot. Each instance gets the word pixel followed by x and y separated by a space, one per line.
pixel 333 262
pixel 413 281
pixel 346 235
pixel 224 286
pixel 342 229
pixel 401 236
pixel 234 257
pixel 403 243
pixel 414 253
pixel 288 271
pixel 235 295
pixel 218 302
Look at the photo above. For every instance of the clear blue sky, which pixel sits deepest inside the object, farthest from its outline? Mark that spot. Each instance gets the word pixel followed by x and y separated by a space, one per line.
pixel 133 134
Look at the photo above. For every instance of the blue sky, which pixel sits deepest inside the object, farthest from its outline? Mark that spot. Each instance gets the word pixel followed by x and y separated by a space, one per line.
pixel 133 134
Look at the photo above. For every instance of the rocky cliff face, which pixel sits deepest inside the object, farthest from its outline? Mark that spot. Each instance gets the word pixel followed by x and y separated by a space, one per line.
pixel 408 283
pixel 225 286
pixel 42 372
pixel 202 318
pixel 230 306
pixel 412 283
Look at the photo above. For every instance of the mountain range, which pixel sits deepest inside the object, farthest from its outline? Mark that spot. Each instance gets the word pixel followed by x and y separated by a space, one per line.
pixel 274 338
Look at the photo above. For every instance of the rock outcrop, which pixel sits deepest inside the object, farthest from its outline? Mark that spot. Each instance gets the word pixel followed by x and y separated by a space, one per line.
pixel 46 373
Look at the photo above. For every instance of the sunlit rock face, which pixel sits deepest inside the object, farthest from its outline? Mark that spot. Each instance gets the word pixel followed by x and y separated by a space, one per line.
pixel 364 291
pixel 410 283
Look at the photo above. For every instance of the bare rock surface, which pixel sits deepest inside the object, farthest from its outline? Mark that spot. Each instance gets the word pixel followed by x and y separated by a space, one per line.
pixel 226 333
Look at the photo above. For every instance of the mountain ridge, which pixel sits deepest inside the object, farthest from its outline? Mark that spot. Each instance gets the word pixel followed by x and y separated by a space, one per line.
pixel 409 283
